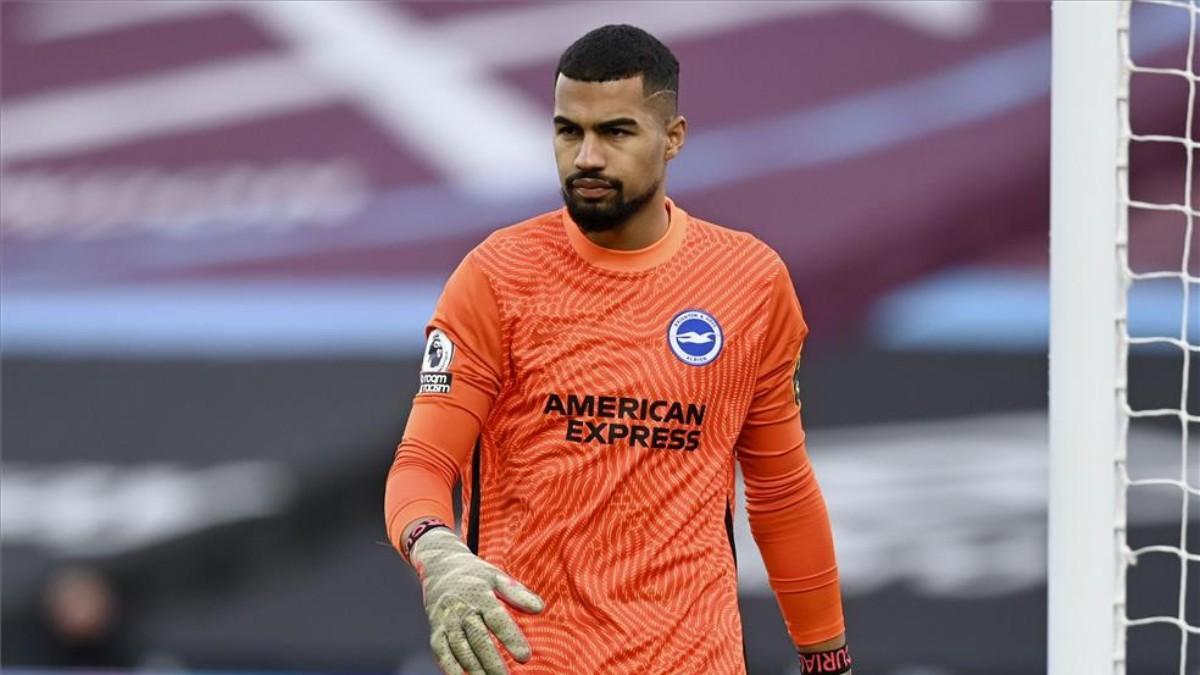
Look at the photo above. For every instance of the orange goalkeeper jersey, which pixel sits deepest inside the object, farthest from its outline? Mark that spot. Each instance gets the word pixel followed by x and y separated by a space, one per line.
pixel 594 403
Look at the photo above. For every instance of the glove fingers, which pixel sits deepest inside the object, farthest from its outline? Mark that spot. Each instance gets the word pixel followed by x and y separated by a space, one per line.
pixel 505 628
pixel 461 650
pixel 517 595
pixel 481 643
pixel 443 655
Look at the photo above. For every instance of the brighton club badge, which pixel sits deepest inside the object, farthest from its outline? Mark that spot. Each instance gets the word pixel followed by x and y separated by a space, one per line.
pixel 695 337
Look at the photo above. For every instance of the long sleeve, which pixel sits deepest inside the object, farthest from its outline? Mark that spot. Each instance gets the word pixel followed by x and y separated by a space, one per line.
pixel 784 504
pixel 461 375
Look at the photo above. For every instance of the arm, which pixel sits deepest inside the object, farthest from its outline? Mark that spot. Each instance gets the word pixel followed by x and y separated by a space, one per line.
pixel 437 440
pixel 784 504
pixel 460 379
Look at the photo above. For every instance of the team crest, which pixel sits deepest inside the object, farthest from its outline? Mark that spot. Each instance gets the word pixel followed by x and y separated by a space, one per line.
pixel 439 351
pixel 695 337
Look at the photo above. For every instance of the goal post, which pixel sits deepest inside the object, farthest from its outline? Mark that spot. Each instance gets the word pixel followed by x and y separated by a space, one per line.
pixel 1091 211
pixel 1086 300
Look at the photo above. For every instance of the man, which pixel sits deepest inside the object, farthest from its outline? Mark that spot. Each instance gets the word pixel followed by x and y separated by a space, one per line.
pixel 593 373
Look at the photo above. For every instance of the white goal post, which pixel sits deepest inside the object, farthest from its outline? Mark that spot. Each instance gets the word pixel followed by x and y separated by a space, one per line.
pixel 1084 338
pixel 1090 275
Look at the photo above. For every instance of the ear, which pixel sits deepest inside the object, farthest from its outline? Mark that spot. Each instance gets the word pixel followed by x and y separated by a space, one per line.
pixel 676 135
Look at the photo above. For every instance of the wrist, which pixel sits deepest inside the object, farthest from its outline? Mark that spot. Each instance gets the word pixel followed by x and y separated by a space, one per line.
pixel 418 531
pixel 834 661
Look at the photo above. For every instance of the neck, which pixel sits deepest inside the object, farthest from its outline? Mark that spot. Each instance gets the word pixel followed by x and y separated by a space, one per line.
pixel 641 230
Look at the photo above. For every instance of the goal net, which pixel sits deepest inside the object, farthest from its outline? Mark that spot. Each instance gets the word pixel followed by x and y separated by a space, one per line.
pixel 1125 339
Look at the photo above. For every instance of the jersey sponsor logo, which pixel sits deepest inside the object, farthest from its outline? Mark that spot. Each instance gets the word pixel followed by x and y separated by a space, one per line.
pixel 695 337
pixel 439 350
pixel 670 430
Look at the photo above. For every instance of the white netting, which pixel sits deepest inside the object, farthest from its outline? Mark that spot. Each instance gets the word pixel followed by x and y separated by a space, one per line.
pixel 1184 345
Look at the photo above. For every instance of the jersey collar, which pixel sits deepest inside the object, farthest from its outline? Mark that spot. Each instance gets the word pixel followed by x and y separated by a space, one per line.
pixel 630 261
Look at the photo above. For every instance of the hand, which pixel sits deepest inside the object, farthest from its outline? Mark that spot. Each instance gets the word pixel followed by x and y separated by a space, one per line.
pixel 460 592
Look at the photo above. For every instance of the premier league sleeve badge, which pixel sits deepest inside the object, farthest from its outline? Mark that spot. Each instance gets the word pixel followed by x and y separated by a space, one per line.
pixel 435 366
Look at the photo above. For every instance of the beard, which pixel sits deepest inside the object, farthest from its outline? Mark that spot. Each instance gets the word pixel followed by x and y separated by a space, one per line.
pixel 608 212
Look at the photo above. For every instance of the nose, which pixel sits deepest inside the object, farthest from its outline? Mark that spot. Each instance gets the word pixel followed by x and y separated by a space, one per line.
pixel 589 157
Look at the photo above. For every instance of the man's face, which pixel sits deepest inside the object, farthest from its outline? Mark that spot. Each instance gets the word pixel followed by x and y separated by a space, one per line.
pixel 612 145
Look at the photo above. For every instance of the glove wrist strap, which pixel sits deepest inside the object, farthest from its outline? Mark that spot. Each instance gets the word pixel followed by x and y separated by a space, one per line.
pixel 425 525
pixel 831 662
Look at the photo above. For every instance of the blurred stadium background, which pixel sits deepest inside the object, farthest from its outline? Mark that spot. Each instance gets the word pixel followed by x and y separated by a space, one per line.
pixel 224 225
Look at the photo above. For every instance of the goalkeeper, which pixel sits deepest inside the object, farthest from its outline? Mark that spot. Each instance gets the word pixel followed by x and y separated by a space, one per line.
pixel 593 374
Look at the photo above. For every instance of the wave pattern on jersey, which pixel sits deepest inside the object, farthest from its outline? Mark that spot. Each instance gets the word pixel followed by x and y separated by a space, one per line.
pixel 627 544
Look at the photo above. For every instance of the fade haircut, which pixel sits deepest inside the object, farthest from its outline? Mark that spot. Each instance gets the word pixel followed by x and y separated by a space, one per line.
pixel 619 51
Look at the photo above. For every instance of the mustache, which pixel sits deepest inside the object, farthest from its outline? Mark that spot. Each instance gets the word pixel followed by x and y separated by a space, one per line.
pixel 589 175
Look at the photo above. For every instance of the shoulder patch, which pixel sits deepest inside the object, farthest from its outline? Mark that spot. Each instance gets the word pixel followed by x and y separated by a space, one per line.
pixel 439 352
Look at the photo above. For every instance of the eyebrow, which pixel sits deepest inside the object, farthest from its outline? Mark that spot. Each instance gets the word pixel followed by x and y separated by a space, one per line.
pixel 607 124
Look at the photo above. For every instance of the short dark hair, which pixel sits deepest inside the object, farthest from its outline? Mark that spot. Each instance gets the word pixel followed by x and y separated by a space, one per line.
pixel 618 51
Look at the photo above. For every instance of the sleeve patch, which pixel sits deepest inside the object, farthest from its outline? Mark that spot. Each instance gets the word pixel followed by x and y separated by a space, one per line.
pixel 439 352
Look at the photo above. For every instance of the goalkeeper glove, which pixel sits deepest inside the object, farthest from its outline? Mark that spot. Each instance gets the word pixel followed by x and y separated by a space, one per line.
pixel 460 593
